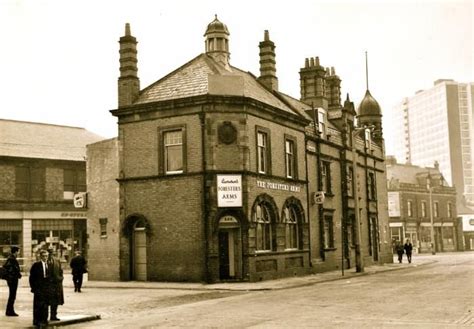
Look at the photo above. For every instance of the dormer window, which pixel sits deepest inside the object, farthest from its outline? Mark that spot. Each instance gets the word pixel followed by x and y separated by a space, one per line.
pixel 322 122
pixel 368 138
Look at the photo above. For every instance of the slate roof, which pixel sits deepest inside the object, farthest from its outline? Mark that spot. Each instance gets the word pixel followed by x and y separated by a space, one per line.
pixel 405 173
pixel 196 77
pixel 45 141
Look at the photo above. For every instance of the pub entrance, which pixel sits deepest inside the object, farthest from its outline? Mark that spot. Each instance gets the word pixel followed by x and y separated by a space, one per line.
pixel 230 256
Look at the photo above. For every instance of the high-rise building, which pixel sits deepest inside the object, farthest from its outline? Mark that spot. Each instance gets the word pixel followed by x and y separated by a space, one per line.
pixel 436 126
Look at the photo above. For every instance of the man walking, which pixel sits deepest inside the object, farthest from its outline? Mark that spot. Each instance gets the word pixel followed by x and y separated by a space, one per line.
pixel 78 265
pixel 408 249
pixel 13 275
pixel 39 275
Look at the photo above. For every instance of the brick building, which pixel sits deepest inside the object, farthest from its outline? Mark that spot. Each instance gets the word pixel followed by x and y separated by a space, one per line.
pixel 220 174
pixel 42 166
pixel 411 208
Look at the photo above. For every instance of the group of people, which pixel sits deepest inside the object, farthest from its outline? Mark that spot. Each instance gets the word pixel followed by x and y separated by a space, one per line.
pixel 46 283
pixel 406 248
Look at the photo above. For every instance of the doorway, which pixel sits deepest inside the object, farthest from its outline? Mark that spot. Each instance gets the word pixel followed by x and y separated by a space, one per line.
pixel 139 272
pixel 229 248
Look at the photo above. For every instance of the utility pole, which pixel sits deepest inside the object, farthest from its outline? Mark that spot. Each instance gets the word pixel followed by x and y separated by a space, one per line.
pixel 359 257
pixel 430 190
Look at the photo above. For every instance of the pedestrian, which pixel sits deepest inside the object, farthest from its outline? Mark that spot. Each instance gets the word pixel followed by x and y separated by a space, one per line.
pixel 39 274
pixel 408 249
pixel 13 274
pixel 55 285
pixel 79 267
pixel 399 249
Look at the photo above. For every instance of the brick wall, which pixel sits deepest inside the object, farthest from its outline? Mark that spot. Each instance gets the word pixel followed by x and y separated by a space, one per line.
pixel 103 202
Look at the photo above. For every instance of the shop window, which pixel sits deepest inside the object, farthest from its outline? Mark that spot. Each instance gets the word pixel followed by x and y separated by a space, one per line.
pixel 103 227
pixel 264 230
pixel 74 182
pixel 29 183
pixel 290 158
pixel 326 177
pixel 55 233
pixel 263 151
pixel 291 227
pixel 328 232
pixel 10 235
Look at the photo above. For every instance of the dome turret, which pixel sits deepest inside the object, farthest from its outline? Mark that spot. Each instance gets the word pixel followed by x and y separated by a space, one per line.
pixel 217 42
pixel 369 106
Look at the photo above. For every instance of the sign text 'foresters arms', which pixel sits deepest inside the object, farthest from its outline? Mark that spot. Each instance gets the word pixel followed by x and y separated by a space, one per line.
pixel 278 186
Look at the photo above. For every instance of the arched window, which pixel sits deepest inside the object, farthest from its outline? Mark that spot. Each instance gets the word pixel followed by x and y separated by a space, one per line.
pixel 263 228
pixel 291 227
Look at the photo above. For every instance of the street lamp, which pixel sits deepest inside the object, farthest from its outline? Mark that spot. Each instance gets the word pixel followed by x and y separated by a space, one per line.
pixel 359 257
pixel 430 190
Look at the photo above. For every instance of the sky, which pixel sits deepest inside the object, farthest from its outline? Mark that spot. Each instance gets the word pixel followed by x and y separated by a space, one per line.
pixel 59 60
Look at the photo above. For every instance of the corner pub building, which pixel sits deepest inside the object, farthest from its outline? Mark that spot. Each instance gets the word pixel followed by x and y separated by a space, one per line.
pixel 219 174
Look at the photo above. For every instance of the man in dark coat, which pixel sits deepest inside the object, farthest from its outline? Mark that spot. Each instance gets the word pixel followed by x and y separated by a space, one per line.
pixel 78 265
pixel 39 274
pixel 408 249
pixel 399 249
pixel 55 285
pixel 13 275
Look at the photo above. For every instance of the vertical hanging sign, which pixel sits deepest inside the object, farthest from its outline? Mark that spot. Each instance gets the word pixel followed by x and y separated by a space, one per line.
pixel 229 191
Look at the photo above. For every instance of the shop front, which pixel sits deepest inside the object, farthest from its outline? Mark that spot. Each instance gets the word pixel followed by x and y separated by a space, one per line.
pixel 32 231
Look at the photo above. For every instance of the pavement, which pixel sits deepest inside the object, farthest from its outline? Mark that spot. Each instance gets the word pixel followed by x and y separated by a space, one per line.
pixel 278 284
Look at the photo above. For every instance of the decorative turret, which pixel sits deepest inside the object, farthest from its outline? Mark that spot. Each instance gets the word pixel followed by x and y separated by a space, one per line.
pixel 217 42
pixel 369 112
pixel 313 83
pixel 267 63
pixel 128 82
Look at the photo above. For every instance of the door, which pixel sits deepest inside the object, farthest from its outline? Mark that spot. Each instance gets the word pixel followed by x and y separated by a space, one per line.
pixel 224 264
pixel 139 254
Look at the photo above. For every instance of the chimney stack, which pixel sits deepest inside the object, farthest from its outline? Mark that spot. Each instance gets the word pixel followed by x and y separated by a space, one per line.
pixel 128 82
pixel 267 63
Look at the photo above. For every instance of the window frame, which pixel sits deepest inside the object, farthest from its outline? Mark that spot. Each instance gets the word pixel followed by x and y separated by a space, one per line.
pixel 409 208
pixel 292 228
pixel 162 149
pixel 328 231
pixel 266 224
pixel 76 181
pixel 322 122
pixel 267 150
pixel 33 182
pixel 291 164
pixel 326 179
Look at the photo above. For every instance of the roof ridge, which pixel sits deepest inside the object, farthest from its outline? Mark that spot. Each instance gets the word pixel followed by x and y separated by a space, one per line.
pixel 42 123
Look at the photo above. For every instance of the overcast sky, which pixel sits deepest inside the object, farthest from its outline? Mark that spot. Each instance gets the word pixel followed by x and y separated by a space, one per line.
pixel 59 59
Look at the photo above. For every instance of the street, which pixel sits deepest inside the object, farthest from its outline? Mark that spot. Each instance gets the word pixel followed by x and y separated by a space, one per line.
pixel 435 295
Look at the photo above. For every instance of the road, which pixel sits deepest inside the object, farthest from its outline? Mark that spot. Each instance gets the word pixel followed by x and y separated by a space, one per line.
pixel 439 295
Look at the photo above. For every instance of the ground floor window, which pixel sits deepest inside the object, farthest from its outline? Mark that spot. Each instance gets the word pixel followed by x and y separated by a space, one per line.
pixel 263 228
pixel 10 234
pixel 63 235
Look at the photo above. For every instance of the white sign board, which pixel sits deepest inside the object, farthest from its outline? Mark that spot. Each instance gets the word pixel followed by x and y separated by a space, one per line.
pixel 229 191
pixel 393 204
